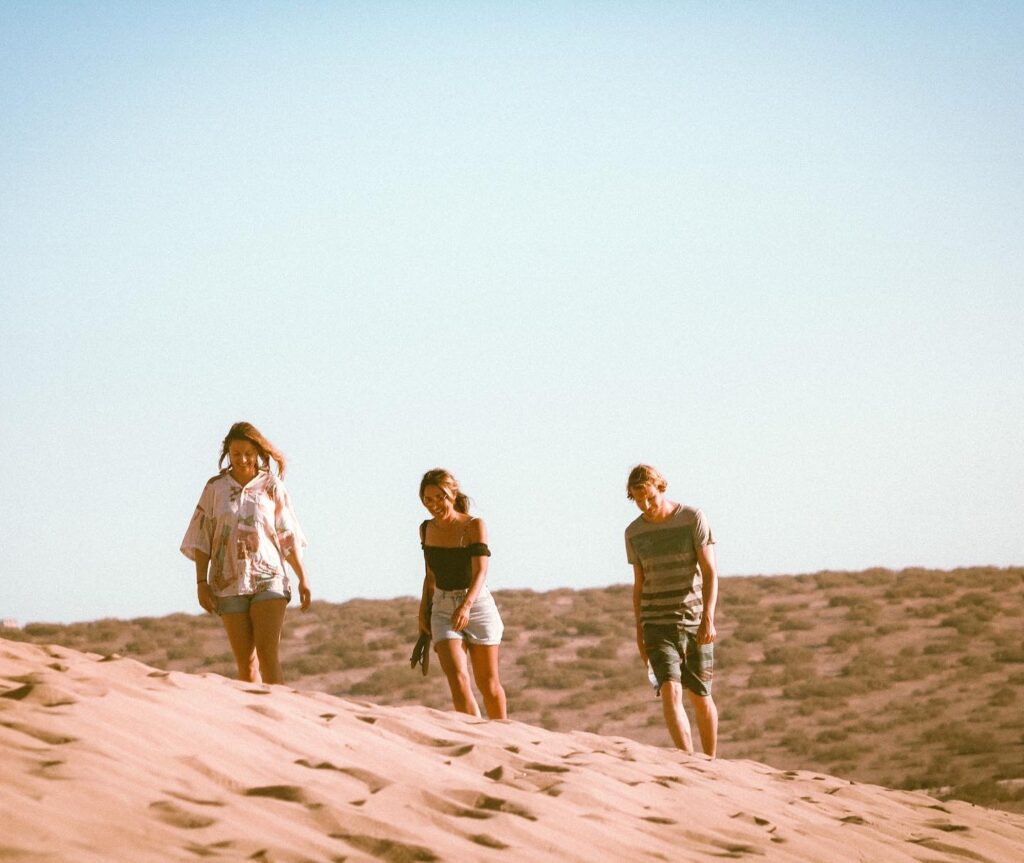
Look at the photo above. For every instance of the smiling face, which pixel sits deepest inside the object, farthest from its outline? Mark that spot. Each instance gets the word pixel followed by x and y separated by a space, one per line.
pixel 437 502
pixel 245 460
pixel 648 498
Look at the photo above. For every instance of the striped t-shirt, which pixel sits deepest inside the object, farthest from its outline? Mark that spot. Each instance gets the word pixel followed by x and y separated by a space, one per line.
pixel 667 552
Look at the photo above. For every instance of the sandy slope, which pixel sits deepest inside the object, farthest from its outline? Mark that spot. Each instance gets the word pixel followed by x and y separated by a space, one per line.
pixel 109 759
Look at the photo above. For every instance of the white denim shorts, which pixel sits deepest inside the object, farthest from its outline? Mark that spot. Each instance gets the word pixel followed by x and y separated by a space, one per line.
pixel 485 625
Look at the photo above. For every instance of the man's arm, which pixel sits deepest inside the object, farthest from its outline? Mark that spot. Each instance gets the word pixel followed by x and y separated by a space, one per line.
pixel 709 592
pixel 638 589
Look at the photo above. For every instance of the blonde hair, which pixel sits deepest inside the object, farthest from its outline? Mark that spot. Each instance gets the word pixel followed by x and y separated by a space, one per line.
pixel 243 431
pixel 642 475
pixel 448 484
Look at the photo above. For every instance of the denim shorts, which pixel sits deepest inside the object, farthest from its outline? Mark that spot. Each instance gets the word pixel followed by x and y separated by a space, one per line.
pixel 240 604
pixel 485 626
pixel 675 655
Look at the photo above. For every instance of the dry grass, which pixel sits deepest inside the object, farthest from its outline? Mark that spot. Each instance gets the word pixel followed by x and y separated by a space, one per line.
pixel 910 679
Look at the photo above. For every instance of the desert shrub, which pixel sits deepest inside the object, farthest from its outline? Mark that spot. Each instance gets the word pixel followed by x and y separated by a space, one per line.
pixel 386 642
pixel 545 641
pixel 747 732
pixel 986 793
pixel 815 706
pixel 848 751
pixel 188 650
pixel 973 660
pixel 914 669
pixel 787 654
pixel 927 611
pixel 765 678
pixel 797 743
pixel 796 624
pixel 831 735
pixel 979 604
pixel 551 721
pixel 558 676
pixel 826 687
pixel 587 626
pixel 42 630
pixel 607 648
pixel 141 646
pixel 524 703
pixel 935 648
pixel 314 663
pixel 224 658
pixel 842 600
pixel 383 681
pixel 981 742
pixel 1009 655
pixel 868 662
pixel 751 632
pixel 840 641
pixel 582 698
pixel 748 698
pixel 1015 678
pixel 966 625
pixel 887 628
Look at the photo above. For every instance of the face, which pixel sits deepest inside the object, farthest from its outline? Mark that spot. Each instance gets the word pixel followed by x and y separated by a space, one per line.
pixel 437 502
pixel 244 458
pixel 647 498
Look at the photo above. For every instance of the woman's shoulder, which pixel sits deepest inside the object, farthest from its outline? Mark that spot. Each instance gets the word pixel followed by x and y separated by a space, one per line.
pixel 476 530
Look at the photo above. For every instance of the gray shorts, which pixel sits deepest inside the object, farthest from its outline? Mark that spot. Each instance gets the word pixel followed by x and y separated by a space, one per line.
pixel 240 604
pixel 675 655
pixel 485 626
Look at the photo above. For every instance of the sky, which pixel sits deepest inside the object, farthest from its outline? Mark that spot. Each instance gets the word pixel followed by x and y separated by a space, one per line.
pixel 773 249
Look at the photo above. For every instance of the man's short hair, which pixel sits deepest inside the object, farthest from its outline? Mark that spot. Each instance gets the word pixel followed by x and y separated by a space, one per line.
pixel 644 474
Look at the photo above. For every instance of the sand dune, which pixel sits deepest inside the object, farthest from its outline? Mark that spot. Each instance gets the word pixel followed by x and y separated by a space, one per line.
pixel 107 759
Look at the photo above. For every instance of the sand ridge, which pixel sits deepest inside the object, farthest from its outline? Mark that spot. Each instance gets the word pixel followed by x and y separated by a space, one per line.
pixel 105 758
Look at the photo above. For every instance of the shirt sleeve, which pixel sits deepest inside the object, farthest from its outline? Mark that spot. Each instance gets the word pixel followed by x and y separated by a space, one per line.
pixel 630 556
pixel 290 537
pixel 199 535
pixel 702 531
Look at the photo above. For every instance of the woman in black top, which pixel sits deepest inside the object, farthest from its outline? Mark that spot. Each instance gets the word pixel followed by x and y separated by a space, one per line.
pixel 456 608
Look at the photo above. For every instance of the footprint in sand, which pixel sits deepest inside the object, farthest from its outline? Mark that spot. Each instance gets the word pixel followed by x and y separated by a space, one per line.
pixel 388 849
pixel 953 850
pixel 43 694
pixel 40 733
pixel 287 793
pixel 493 804
pixel 176 816
pixel 489 842
pixel 372 781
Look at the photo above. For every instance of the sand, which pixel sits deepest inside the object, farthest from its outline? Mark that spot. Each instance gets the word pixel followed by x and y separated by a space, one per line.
pixel 107 759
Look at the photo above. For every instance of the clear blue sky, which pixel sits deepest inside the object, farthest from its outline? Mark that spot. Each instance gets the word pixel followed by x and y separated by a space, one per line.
pixel 773 248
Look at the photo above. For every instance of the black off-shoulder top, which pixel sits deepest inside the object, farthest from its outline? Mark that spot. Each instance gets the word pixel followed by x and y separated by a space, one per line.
pixel 451 565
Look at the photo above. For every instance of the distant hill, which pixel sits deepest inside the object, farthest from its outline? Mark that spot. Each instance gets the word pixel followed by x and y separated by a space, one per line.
pixel 909 679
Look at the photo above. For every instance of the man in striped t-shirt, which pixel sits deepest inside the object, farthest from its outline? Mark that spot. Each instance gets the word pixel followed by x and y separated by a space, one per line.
pixel 675 589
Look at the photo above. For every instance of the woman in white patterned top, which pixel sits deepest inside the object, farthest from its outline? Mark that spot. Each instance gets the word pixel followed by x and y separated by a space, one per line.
pixel 241 534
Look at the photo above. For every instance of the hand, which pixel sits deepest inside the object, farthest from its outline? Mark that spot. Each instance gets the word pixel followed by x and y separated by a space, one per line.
pixel 460 618
pixel 206 598
pixel 304 595
pixel 706 631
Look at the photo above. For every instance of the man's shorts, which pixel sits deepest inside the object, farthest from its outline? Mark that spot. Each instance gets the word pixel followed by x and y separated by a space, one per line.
pixel 240 604
pixel 675 655
pixel 485 626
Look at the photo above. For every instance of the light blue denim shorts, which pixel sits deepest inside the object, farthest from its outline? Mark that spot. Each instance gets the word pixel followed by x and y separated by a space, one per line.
pixel 485 626
pixel 240 604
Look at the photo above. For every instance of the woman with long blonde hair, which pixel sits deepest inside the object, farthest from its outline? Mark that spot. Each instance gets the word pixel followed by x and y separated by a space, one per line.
pixel 241 534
